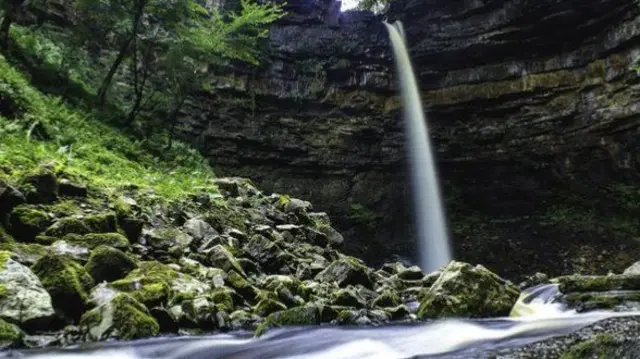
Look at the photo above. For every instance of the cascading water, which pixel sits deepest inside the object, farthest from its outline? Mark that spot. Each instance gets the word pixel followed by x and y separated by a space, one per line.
pixel 433 239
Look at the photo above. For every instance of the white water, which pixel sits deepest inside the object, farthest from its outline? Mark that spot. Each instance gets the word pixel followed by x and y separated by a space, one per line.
pixel 433 239
pixel 450 338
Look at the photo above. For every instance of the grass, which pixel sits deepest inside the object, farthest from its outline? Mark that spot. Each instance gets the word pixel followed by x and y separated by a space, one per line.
pixel 38 129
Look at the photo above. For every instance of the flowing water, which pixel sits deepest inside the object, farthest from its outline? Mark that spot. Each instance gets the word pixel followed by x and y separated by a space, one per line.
pixel 433 240
pixel 443 339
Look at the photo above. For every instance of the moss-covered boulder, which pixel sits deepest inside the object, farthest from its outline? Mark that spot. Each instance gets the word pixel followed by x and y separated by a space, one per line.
pixel 27 222
pixel 220 257
pixel 581 283
pixel 25 253
pixel 94 223
pixel 305 315
pixel 109 264
pixel 10 197
pixel 346 271
pixel 93 240
pixel 41 186
pixel 66 281
pixel 155 284
pixel 120 317
pixel 10 335
pixel 23 300
pixel 600 347
pixel 348 297
pixel 267 306
pixel 241 285
pixel 463 290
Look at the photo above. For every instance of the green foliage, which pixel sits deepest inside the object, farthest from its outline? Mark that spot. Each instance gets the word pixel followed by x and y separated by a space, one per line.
pixel 364 216
pixel 81 145
pixel 376 6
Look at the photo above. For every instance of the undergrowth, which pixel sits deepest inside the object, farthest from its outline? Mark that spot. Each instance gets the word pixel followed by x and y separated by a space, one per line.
pixel 37 129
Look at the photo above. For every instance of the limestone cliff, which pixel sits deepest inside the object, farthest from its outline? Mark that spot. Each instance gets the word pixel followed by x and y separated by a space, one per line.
pixel 527 100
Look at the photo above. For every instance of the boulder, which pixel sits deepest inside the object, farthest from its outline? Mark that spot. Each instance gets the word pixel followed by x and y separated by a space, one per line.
pixel 66 281
pixel 27 222
pixel 346 271
pixel 268 254
pixel 463 290
pixel 119 316
pixel 10 197
pixel 109 264
pixel 23 299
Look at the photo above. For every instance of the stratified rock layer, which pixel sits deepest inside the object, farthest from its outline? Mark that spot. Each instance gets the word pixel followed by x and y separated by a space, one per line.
pixel 526 100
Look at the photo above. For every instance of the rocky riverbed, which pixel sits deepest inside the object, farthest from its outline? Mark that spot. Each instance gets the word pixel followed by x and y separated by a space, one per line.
pixel 77 265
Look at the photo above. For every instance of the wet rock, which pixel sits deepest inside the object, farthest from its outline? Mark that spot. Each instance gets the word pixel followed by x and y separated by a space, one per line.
pixel 10 197
pixel 27 254
pixel 348 297
pixel 27 222
pixel 346 271
pixel 132 228
pixel 10 335
pixel 296 206
pixel 242 286
pixel 580 283
pixel 167 238
pixel 333 237
pixel 267 306
pixel 467 291
pixel 66 281
pixel 634 269
pixel 109 264
pixel 166 320
pixel 199 230
pixel 120 317
pixel 236 186
pixel 197 312
pixel 387 300
pixel 23 299
pixel 305 315
pixel 220 257
pixel 269 255
pixel 70 189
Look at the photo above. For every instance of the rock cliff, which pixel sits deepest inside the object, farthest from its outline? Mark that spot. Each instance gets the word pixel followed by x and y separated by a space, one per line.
pixel 531 104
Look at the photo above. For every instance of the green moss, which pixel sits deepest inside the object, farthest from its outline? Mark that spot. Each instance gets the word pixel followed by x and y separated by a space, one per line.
pixel 588 301
pixel 4 257
pixel 223 297
pixel 67 225
pixel 149 284
pixel 242 286
pixel 579 283
pixel 602 346
pixel 25 253
pixel 66 281
pixel 268 306
pixel 109 264
pixel 222 216
pixel 45 240
pixel 94 240
pixel 124 318
pixel 10 335
pixel 5 237
pixel 387 300
pixel 122 208
pixel 87 148
pixel 27 222
pixel 305 315
pixel 64 208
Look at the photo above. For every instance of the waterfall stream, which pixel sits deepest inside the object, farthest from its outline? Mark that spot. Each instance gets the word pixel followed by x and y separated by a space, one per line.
pixel 433 241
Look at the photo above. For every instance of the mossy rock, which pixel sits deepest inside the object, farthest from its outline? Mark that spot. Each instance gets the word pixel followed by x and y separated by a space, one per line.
pixel 466 291
pixel 305 315
pixel 25 253
pixel 40 186
pixel 242 286
pixel 220 257
pixel 95 223
pixel 225 298
pixel 94 240
pixel 387 299
pixel 10 335
pixel 5 238
pixel 580 283
pixel 66 281
pixel 122 317
pixel 10 197
pixel 348 297
pixel 27 222
pixel 601 346
pixel 267 306
pixel 221 216
pixel 109 264
pixel 600 300
pixel 156 284
pixel 346 271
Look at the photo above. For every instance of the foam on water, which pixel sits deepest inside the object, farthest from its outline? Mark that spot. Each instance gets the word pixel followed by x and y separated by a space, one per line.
pixel 543 318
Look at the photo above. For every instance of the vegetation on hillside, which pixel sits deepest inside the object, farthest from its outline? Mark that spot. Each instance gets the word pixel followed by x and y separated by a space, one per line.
pixel 99 98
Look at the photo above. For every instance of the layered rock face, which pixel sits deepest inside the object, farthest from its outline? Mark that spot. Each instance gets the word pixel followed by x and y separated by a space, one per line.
pixel 527 100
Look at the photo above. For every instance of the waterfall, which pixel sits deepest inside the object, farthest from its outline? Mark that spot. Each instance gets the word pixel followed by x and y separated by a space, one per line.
pixel 433 240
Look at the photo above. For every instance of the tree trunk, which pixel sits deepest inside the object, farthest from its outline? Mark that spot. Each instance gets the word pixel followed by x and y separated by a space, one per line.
pixel 5 26
pixel 122 53
pixel 106 83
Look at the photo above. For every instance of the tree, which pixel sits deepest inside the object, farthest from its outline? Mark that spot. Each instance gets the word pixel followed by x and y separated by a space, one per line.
pixel 10 9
